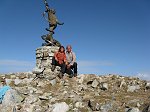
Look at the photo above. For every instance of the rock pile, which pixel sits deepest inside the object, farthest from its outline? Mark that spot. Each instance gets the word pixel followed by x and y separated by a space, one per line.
pixel 44 57
pixel 88 93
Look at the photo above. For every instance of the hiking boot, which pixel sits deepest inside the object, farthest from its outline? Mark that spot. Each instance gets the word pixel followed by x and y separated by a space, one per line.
pixel 47 29
pixel 53 68
pixel 75 74
pixel 60 75
pixel 71 75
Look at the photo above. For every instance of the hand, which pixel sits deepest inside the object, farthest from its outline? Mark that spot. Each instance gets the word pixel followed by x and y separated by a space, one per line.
pixel 66 63
pixel 68 66
pixel 56 59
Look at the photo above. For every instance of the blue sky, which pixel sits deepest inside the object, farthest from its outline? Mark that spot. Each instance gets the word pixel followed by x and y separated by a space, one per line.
pixel 108 36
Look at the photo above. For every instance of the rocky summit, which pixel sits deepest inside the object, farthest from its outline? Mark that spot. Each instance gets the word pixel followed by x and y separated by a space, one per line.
pixel 42 91
pixel 86 93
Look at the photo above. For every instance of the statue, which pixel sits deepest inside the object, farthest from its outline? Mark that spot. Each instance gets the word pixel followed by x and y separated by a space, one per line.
pixel 53 22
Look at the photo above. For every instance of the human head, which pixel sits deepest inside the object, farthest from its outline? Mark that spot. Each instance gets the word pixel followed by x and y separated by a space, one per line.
pixel 2 81
pixel 61 49
pixel 53 11
pixel 69 48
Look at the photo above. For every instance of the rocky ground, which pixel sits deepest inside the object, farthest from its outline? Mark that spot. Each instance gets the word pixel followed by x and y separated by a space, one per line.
pixel 87 93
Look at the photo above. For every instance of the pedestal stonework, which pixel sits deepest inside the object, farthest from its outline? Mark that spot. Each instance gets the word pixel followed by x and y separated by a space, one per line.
pixel 44 56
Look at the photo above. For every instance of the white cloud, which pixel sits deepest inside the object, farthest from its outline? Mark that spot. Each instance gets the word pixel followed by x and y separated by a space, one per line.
pixel 94 67
pixel 145 76
pixel 84 66
pixel 15 63
pixel 94 63
pixel 7 66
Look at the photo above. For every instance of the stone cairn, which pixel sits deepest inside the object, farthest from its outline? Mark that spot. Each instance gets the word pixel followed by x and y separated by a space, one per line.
pixel 44 57
pixel 45 53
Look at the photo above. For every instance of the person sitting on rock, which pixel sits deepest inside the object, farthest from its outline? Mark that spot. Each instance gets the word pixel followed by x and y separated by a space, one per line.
pixel 59 59
pixel 71 64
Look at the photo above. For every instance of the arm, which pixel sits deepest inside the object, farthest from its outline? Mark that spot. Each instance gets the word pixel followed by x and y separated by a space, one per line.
pixel 65 60
pixel 55 56
pixel 74 58
pixel 59 23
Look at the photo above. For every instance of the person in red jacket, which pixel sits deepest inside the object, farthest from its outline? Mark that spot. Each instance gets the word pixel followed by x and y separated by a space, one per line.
pixel 59 59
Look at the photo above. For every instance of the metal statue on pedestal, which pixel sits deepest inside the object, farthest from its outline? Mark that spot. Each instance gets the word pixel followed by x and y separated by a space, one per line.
pixel 49 15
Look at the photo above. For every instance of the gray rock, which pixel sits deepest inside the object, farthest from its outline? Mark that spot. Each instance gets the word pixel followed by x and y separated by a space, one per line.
pixel 7 108
pixel 94 105
pixel 38 108
pixel 123 83
pixel 45 96
pixel 41 84
pixel 27 81
pixel 50 76
pixel 58 68
pixel 8 81
pixel 147 85
pixel 133 88
pixel 132 110
pixel 37 70
pixel 13 76
pixel 146 108
pixel 53 82
pixel 81 78
pixel 106 107
pixel 32 90
pixel 39 92
pixel 134 102
pixel 104 86
pixel 1 85
pixel 82 88
pixel 60 107
pixel 17 81
pixel 12 97
pixel 79 105
pixel 27 108
pixel 31 99
pixel 95 83
pixel 44 56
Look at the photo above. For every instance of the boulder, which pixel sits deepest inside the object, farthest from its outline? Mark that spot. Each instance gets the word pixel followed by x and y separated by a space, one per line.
pixel 95 83
pixel 53 82
pixel 60 107
pixel 123 83
pixel 133 88
pixel 79 105
pixel 11 97
pixel 94 105
pixel 104 86
pixel 17 81
pixel 31 99
pixel 132 110
pixel 146 108
pixel 37 70
pixel 106 108
pixel 147 85
pixel 8 81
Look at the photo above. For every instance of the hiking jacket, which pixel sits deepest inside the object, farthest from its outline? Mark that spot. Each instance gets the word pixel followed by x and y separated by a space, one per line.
pixel 71 57
pixel 60 57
